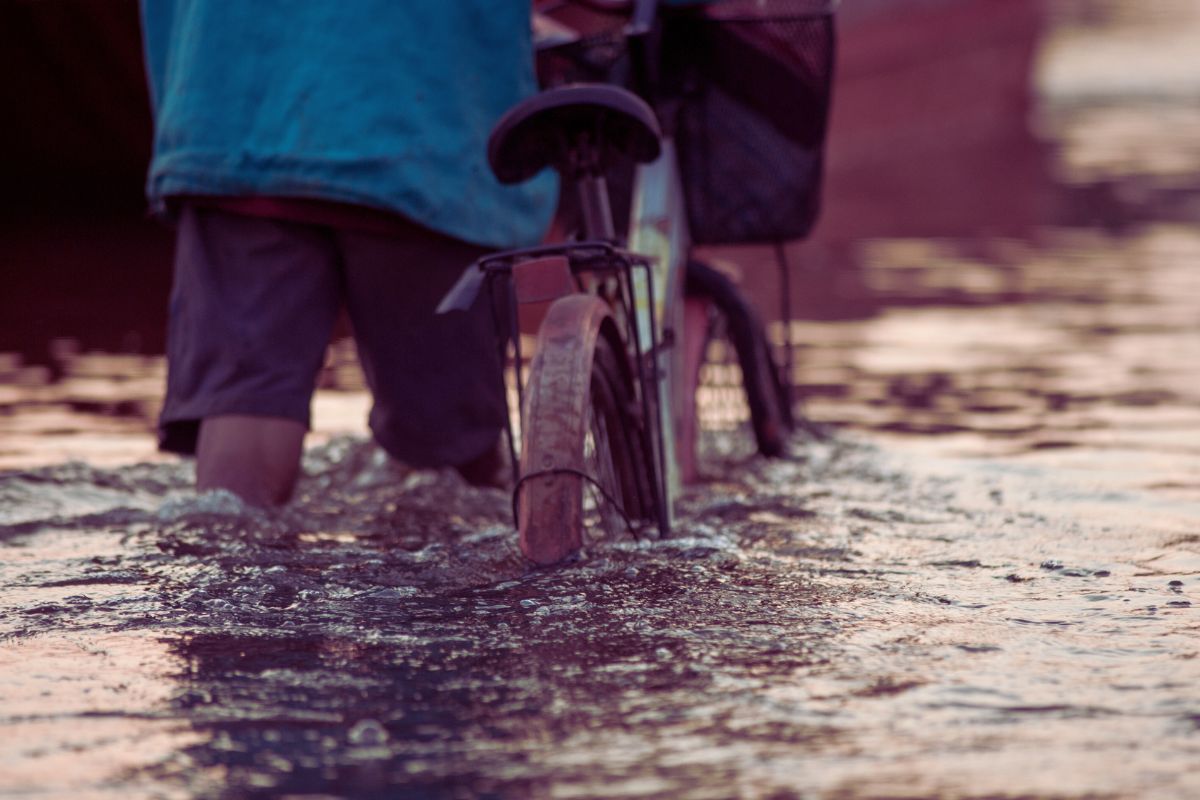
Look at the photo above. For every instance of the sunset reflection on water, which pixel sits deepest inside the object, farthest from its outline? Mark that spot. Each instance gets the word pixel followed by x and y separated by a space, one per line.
pixel 1039 335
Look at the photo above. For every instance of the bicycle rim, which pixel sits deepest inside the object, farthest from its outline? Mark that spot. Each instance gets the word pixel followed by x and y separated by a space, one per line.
pixel 584 466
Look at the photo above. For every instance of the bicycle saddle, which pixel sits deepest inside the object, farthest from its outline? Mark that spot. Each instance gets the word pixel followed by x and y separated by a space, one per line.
pixel 570 126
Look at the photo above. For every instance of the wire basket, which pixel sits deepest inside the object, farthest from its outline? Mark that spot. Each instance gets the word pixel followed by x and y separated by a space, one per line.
pixel 745 87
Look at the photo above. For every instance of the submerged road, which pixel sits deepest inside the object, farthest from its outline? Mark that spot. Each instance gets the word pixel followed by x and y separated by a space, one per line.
pixel 855 623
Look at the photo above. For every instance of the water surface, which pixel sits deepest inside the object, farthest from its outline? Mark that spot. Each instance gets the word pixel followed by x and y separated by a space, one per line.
pixel 981 584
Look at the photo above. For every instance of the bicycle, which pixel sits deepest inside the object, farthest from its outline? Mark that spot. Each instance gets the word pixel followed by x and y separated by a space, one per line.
pixel 621 329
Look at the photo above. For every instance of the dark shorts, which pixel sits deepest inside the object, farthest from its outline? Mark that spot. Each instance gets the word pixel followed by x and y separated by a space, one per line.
pixel 253 306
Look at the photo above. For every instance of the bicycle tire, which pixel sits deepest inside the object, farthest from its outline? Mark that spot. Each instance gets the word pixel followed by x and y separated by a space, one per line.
pixel 771 414
pixel 579 419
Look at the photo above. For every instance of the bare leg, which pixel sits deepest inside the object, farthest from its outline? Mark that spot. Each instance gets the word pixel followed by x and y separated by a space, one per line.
pixel 256 458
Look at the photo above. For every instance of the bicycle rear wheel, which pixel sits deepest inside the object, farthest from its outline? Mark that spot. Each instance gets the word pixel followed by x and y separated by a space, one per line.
pixel 585 463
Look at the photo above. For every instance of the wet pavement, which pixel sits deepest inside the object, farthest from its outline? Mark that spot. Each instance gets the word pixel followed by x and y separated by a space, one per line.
pixel 983 584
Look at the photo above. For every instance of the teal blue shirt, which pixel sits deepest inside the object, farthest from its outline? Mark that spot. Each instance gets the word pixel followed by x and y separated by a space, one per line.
pixel 383 103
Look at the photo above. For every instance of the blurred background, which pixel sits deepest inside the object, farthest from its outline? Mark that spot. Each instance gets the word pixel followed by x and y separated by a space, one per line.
pixel 1003 264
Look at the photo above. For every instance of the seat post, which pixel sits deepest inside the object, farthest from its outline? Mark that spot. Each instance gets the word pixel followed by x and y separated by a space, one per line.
pixel 597 212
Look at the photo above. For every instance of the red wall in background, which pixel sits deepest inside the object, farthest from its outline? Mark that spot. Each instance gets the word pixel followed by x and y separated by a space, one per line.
pixel 930 133
pixel 930 137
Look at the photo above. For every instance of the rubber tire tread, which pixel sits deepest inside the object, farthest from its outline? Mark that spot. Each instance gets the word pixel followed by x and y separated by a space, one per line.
pixel 551 528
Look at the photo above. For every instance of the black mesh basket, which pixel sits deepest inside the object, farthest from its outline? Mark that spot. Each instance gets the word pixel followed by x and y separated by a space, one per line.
pixel 745 88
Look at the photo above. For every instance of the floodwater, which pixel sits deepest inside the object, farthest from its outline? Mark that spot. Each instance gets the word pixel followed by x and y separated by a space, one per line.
pixel 983 583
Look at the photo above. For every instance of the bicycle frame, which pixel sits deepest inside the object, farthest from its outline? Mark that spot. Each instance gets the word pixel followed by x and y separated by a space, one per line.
pixel 648 298
pixel 658 228
pixel 643 285
pixel 615 331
